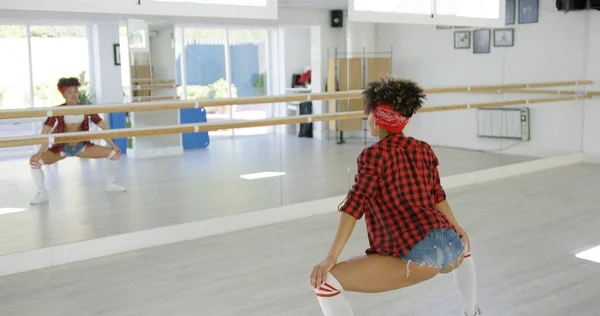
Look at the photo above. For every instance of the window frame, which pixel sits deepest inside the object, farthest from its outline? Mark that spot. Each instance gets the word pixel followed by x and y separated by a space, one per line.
pixel 147 8
pixel 226 43
pixel 53 22
pixel 430 19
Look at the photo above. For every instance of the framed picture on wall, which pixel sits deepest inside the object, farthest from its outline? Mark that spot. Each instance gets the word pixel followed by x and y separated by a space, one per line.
pixel 504 37
pixel 481 41
pixel 462 39
pixel 511 11
pixel 117 54
pixel 528 11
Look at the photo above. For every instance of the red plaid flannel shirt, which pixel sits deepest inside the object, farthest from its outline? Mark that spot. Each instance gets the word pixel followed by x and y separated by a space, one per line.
pixel 58 122
pixel 397 188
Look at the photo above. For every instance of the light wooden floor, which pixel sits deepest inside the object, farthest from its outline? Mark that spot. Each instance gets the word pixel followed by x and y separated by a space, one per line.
pixel 525 232
pixel 199 185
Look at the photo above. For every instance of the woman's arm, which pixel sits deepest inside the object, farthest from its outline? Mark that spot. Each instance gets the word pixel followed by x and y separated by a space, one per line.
pixel 351 209
pixel 103 126
pixel 439 196
pixel 45 130
pixel 444 207
pixel 344 230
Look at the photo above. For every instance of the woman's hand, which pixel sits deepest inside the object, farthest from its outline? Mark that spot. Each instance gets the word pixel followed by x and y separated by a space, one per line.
pixel 464 237
pixel 35 158
pixel 319 273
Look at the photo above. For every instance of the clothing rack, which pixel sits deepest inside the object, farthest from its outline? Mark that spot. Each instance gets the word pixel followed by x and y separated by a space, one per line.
pixel 353 71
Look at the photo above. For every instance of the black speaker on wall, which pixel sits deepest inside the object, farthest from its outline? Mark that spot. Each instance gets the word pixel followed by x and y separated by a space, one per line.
pixel 337 18
pixel 571 5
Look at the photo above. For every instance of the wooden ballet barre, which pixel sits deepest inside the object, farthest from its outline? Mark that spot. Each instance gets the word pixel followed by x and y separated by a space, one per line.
pixel 204 127
pixel 173 129
pixel 172 105
pixel 137 81
pixel 528 91
pixel 510 87
pixel 190 104
pixel 502 103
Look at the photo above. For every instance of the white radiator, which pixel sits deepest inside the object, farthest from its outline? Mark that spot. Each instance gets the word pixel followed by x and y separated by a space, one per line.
pixel 509 123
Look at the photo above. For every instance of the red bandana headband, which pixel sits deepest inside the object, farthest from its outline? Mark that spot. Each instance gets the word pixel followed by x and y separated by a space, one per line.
pixel 63 89
pixel 388 119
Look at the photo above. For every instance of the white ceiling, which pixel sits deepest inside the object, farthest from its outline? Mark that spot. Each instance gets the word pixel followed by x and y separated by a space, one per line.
pixel 314 4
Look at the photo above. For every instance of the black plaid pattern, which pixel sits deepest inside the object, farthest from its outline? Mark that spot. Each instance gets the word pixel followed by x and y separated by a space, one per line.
pixel 60 127
pixel 397 188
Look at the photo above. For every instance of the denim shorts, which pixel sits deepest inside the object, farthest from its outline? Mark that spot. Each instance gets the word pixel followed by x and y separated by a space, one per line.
pixel 438 249
pixel 70 151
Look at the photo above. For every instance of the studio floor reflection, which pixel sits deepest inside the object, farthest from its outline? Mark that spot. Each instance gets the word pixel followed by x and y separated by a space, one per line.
pixel 227 178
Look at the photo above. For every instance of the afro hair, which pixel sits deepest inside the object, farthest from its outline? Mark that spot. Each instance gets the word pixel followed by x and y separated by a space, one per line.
pixel 68 82
pixel 404 96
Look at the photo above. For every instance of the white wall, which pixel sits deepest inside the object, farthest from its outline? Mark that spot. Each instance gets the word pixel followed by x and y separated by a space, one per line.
pixel 107 75
pixel 163 67
pixel 591 135
pixel 359 36
pixel 296 51
pixel 327 38
pixel 552 50
pixel 163 56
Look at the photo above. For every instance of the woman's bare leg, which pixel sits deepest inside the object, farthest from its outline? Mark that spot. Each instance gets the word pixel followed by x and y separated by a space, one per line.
pixel 368 274
pixel 113 162
pixel 379 273
pixel 95 152
pixel 37 173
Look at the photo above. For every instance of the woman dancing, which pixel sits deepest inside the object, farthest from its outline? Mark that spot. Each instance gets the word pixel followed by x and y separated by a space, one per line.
pixel 69 87
pixel 413 234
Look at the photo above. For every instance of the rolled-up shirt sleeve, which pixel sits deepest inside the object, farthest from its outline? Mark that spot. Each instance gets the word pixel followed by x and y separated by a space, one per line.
pixel 95 118
pixel 50 121
pixel 366 184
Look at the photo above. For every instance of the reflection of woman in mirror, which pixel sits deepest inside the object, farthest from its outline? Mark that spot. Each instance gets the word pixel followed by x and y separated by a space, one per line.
pixel 413 234
pixel 69 88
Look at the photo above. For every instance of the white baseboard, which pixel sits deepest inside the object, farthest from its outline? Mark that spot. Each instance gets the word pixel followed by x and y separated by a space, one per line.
pixel 90 249
pixel 591 158
pixel 155 152
pixel 511 170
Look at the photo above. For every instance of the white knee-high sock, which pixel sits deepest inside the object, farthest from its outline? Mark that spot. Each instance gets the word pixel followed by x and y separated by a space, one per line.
pixel 38 175
pixel 331 298
pixel 113 163
pixel 465 278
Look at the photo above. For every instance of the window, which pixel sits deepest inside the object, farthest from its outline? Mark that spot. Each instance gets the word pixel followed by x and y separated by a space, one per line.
pixel 14 62
pixel 206 72
pixel 58 51
pixel 403 6
pixel 14 86
pixel 484 9
pixel 254 3
pixel 248 59
pixel 441 12
pixel 32 59
pixel 224 63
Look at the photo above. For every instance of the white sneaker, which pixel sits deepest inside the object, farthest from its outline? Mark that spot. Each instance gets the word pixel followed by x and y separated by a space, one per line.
pixel 113 187
pixel 477 312
pixel 40 198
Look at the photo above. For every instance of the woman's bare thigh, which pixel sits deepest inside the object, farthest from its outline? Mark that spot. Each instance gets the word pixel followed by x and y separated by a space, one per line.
pixel 95 152
pixel 380 273
pixel 50 157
